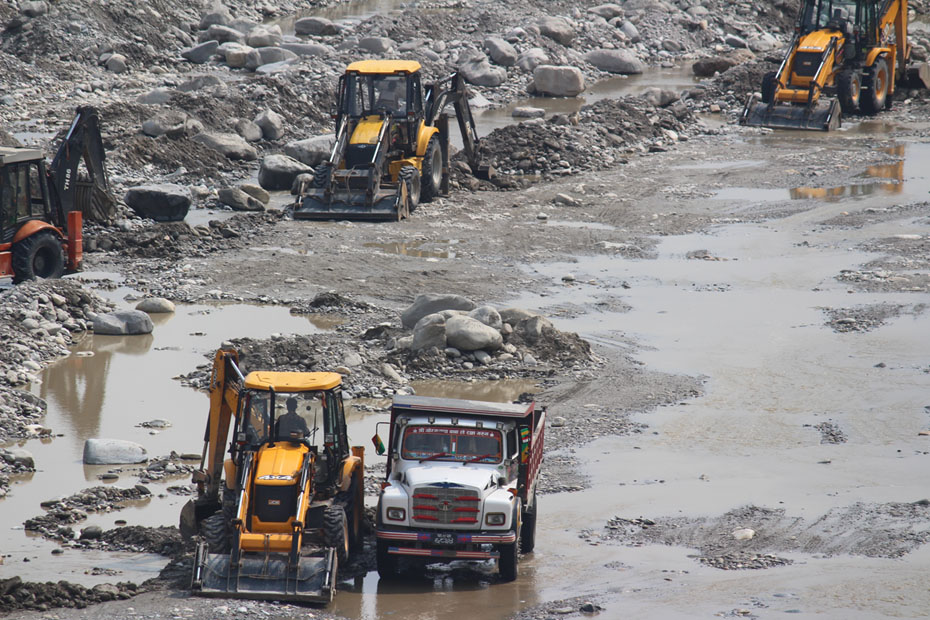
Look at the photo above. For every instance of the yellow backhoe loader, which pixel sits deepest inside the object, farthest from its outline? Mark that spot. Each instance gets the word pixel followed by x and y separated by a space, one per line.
pixel 846 57
pixel 392 144
pixel 278 516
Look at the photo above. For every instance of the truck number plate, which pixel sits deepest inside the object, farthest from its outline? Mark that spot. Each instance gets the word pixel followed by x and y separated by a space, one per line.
pixel 444 539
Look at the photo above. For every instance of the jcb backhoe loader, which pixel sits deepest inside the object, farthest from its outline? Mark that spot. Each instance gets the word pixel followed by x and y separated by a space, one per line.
pixel 42 207
pixel 278 516
pixel 392 144
pixel 846 57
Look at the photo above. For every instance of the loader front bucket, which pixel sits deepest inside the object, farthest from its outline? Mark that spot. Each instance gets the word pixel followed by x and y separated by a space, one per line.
pixel 822 116
pixel 265 577
pixel 346 205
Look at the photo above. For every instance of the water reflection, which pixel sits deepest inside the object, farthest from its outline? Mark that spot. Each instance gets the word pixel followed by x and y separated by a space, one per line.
pixel 412 248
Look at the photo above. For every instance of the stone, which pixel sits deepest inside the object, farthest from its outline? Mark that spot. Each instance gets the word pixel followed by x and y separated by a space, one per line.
pixel 513 316
pixel 238 200
pixel 165 202
pixel 390 373
pixel 429 303
pixel 487 315
pixel 607 11
pixel 476 69
pixel 308 49
pixel 558 81
pixel 452 352
pixel 311 151
pixel 122 323
pixel 500 51
pixel 230 145
pixel 482 357
pixel 224 34
pixel 256 192
pixel 116 63
pixel 34 9
pixel 319 26
pixel 528 112
pixel 734 41
pixel 532 328
pixel 660 97
pixel 155 305
pixel 199 82
pixel 278 172
pixel 274 55
pixel 249 131
pixel 744 534
pixel 18 456
pixel 240 56
pixel 529 360
pixel 429 331
pixel 91 532
pixel 532 58
pixel 201 53
pixel 630 31
pixel 556 29
pixel 271 123
pixel 707 67
pixel 220 15
pixel 376 45
pixel 615 61
pixel 173 123
pixel 157 96
pixel 265 36
pixel 99 451
pixel 468 334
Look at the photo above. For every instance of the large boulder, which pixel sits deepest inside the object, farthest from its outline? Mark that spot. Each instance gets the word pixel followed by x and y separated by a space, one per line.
pixel 265 36
pixel 557 29
pixel 607 11
pixel 229 144
pixel 660 97
pixel 308 49
pixel 238 200
pixel 500 51
pixel 316 25
pixel 18 457
pixel 532 329
pixel 430 331
pixel 311 151
pixel 165 202
pixel 155 305
pixel 376 45
pixel 201 53
pixel 272 124
pixel 615 61
pixel 173 123
pixel 630 31
pixel 558 81
pixel 278 172
pixel 428 303
pixel 123 323
pixel 476 69
pixel 468 334
pixel 487 315
pixel 240 56
pixel 220 15
pixel 532 58
pixel 273 55
pixel 515 315
pixel 113 452
pixel 223 34
pixel 707 67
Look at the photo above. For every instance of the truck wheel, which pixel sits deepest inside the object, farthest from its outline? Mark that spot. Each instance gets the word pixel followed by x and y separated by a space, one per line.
pixel 768 87
pixel 336 532
pixel 849 89
pixel 38 256
pixel 507 563
pixel 215 532
pixel 411 176
pixel 875 84
pixel 387 563
pixel 528 529
pixel 431 171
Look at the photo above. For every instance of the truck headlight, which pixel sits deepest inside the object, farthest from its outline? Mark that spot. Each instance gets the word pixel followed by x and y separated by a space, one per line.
pixel 396 514
pixel 495 518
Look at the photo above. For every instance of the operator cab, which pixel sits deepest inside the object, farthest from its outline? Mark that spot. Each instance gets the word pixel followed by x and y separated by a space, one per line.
pixel 22 190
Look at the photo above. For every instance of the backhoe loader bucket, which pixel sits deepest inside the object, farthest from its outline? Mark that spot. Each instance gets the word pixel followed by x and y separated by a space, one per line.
pixel 347 205
pixel 265 577
pixel 822 116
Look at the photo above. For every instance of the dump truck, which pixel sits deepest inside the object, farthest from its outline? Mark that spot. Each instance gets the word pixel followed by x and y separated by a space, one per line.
pixel 391 148
pixel 42 206
pixel 278 516
pixel 846 57
pixel 460 482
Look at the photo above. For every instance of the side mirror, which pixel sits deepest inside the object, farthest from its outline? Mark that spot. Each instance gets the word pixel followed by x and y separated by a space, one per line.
pixel 379 445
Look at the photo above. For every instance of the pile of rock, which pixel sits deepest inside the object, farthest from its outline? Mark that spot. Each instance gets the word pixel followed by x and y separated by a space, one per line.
pixel 64 512
pixel 17 594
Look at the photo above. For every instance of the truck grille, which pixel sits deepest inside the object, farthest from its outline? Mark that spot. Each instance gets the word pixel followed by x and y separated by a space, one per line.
pixel 445 506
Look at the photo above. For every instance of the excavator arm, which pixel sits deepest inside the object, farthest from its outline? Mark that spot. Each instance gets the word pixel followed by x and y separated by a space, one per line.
pixel 453 90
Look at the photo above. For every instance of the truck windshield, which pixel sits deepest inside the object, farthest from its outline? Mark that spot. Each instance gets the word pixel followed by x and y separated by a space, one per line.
pixel 454 443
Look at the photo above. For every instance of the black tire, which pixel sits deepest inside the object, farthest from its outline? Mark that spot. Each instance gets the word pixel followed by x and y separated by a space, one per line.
pixel 509 554
pixel 875 84
pixel 38 256
pixel 387 563
pixel 322 175
pixel 431 171
pixel 768 87
pixel 215 532
pixel 849 91
pixel 411 176
pixel 336 532
pixel 528 528
pixel 354 514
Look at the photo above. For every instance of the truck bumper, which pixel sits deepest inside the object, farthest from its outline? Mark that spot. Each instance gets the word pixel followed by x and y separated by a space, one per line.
pixel 444 545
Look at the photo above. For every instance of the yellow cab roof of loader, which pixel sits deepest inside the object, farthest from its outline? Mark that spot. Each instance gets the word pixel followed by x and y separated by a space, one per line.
pixel 384 67
pixel 292 381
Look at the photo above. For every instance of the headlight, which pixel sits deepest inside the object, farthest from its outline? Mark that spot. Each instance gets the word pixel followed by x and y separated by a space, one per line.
pixel 396 514
pixel 495 518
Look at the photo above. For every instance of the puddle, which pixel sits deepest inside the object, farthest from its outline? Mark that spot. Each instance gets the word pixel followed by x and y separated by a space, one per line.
pixel 415 249
pixel 723 165
pixel 573 224
pixel 278 250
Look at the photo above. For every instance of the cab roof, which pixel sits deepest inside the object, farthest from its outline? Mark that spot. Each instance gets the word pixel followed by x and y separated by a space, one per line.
pixel 383 67
pixel 429 404
pixel 13 154
pixel 292 381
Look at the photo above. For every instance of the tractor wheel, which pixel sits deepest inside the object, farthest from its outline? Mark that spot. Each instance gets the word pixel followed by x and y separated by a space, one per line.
pixel 215 532
pixel 875 84
pixel 322 175
pixel 528 529
pixel 849 89
pixel 768 87
pixel 38 256
pixel 431 171
pixel 411 176
pixel 336 532
pixel 387 563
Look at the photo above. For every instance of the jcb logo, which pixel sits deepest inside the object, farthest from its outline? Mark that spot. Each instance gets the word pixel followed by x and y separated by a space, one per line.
pixel 274 502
